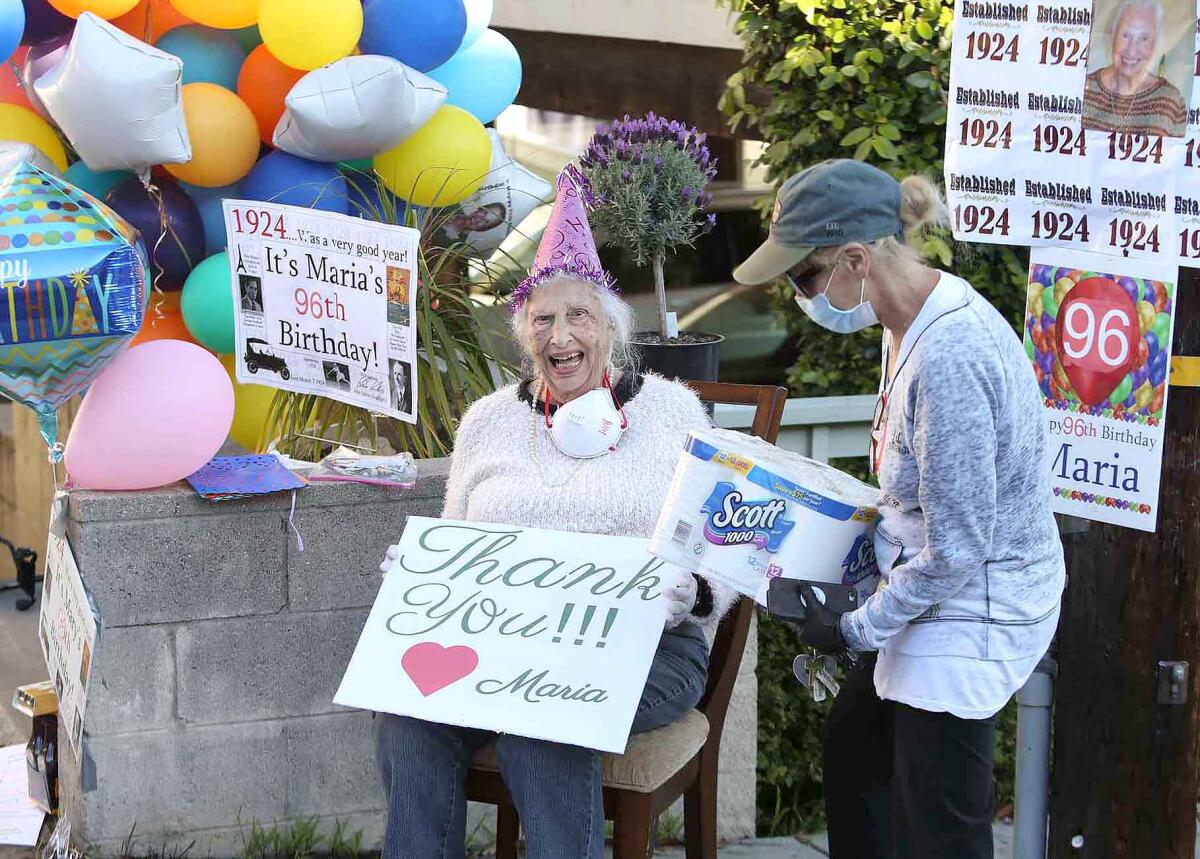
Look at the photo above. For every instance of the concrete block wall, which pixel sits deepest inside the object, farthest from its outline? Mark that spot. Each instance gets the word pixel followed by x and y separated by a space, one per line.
pixel 221 648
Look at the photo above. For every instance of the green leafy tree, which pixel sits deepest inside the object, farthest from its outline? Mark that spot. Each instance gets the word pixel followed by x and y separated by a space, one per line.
pixel 859 79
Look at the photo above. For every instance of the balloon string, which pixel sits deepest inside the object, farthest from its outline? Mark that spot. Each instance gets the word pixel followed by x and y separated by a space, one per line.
pixel 17 74
pixel 165 228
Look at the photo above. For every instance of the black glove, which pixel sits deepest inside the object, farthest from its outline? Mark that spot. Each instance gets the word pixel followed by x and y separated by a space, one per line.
pixel 822 625
pixel 795 602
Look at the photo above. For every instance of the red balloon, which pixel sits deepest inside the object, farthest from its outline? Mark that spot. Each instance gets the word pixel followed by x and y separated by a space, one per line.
pixel 11 90
pixel 1097 338
pixel 1143 353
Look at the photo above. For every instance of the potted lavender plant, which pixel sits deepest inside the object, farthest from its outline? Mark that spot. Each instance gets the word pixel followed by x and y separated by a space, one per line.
pixel 647 178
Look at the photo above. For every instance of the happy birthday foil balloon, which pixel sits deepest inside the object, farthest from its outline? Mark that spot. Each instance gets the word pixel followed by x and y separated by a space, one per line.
pixel 72 290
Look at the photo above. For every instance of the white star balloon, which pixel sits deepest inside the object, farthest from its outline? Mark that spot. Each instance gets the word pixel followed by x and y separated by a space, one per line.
pixel 507 196
pixel 355 108
pixel 119 101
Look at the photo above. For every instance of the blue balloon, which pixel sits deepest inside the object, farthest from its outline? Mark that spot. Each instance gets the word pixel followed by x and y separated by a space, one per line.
pixel 1158 368
pixel 419 33
pixel 12 26
pixel 175 251
pixel 209 56
pixel 96 184
pixel 1151 342
pixel 483 79
pixel 283 178
pixel 208 203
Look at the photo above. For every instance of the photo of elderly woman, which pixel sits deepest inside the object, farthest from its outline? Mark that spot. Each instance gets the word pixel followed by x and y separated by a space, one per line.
pixel 1140 68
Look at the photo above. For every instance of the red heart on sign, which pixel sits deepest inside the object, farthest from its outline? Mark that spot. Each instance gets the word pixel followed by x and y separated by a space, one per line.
pixel 432 667
pixel 1097 337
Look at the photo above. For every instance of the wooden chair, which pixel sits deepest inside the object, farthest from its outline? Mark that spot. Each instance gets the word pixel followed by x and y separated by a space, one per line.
pixel 681 759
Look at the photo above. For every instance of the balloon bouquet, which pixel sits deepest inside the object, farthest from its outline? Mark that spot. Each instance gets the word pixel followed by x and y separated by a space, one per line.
pixel 172 106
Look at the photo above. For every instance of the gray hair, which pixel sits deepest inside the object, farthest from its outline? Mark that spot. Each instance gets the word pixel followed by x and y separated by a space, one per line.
pixel 1154 7
pixel 618 321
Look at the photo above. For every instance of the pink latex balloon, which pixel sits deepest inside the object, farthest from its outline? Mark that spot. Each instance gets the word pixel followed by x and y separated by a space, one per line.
pixel 41 59
pixel 156 414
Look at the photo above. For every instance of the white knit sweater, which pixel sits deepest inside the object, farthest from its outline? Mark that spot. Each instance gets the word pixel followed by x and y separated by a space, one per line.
pixel 495 474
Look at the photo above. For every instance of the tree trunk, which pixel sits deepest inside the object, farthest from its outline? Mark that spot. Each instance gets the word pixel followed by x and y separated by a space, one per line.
pixel 660 292
pixel 1125 766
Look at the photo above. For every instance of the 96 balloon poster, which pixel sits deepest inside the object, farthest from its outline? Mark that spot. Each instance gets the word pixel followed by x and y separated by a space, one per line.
pixel 1098 331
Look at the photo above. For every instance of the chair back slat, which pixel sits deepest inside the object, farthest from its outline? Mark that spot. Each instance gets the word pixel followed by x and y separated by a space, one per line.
pixel 730 642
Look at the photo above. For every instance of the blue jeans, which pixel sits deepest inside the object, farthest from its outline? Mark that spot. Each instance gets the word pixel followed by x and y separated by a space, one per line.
pixel 555 787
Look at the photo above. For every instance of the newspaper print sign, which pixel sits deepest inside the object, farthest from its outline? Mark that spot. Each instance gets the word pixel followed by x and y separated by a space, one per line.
pixel 325 304
pixel 66 628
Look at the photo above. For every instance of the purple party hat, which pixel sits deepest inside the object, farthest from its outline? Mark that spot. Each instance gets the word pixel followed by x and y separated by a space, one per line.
pixel 567 246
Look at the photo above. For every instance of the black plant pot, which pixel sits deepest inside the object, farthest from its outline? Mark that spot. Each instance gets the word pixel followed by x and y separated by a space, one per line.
pixel 693 356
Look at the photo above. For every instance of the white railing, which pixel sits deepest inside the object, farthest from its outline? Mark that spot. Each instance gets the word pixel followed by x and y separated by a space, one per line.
pixel 819 427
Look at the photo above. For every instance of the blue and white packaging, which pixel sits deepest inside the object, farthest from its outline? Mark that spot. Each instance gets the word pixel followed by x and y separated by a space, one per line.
pixel 744 512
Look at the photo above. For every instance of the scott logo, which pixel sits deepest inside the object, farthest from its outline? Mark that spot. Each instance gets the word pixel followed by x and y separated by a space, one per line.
pixel 860 562
pixel 733 521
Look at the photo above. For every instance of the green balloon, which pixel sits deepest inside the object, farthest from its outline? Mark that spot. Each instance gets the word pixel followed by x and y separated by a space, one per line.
pixel 1122 391
pixel 207 304
pixel 248 37
pixel 1049 305
pixel 360 165
pixel 1162 329
pixel 1030 349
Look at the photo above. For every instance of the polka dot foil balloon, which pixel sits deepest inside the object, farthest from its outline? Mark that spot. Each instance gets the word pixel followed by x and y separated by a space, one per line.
pixel 72 289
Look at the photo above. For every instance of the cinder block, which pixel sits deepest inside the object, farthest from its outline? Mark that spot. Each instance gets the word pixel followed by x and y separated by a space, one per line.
pixel 343 545
pixel 133 681
pixel 265 667
pixel 736 792
pixel 187 568
pixel 174 782
pixel 331 762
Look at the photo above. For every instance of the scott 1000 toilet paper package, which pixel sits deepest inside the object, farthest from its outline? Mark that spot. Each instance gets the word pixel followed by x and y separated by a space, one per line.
pixel 744 512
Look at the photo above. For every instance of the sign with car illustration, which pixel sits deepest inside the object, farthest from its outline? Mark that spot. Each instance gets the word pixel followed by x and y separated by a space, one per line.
pixel 325 304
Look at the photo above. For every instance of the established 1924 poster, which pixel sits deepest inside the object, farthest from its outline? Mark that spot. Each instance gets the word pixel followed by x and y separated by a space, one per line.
pixel 1076 123
pixel 537 633
pixel 325 304
pixel 1098 331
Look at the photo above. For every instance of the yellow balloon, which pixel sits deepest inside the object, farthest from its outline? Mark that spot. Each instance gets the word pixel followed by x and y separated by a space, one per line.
pixel 308 34
pixel 23 125
pixel 223 133
pixel 251 404
pixel 222 14
pixel 443 163
pixel 107 9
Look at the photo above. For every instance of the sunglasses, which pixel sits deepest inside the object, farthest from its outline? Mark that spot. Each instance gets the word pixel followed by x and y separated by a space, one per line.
pixel 879 425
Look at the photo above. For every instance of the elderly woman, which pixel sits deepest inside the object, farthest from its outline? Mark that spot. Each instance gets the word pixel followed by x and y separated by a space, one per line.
pixel 971 563
pixel 606 471
pixel 1126 95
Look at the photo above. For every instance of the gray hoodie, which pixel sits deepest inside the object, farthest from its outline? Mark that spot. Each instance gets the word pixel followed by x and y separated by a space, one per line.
pixel 970 557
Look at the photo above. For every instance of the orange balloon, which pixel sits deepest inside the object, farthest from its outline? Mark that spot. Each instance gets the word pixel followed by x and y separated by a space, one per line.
pixel 263 84
pixel 223 134
pixel 164 320
pixel 163 17
pixel 107 9
pixel 11 90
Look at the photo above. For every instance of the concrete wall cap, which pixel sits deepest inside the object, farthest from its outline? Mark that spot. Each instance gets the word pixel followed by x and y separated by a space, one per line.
pixel 178 499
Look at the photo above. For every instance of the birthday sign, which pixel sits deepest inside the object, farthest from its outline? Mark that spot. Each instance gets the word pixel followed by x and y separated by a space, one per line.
pixel 325 304
pixel 537 633
pixel 1043 149
pixel 66 628
pixel 1098 331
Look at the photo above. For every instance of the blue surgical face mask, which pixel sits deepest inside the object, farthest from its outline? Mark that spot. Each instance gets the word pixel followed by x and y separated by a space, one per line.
pixel 821 311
